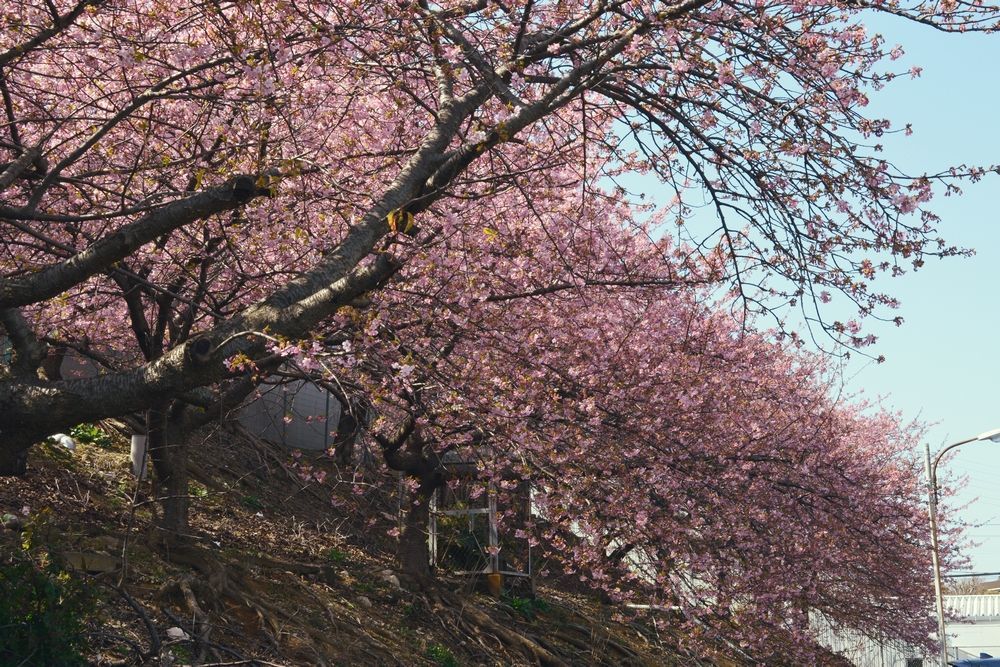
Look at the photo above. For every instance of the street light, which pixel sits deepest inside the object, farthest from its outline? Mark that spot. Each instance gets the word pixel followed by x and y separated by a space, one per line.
pixel 992 436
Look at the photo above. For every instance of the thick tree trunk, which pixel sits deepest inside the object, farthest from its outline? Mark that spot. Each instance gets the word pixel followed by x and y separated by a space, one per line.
pixel 168 452
pixel 414 557
pixel 13 463
pixel 347 432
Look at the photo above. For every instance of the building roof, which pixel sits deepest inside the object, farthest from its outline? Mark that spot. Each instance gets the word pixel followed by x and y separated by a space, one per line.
pixel 974 607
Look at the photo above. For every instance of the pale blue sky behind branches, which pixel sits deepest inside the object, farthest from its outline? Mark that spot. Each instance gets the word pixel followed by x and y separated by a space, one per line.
pixel 943 364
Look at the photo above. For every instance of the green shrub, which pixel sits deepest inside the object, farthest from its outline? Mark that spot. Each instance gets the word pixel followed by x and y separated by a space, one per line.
pixel 441 655
pixel 42 612
pixel 90 434
pixel 336 556
pixel 528 607
pixel 197 490
pixel 252 502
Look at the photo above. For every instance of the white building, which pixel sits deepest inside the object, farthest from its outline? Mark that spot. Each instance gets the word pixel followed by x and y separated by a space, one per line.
pixel 978 631
pixel 974 628
pixel 864 651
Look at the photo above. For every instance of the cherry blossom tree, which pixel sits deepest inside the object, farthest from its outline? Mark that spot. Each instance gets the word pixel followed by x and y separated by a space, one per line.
pixel 676 460
pixel 306 151
pixel 430 204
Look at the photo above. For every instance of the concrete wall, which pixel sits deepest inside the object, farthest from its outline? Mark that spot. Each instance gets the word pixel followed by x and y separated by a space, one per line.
pixel 298 415
pixel 975 638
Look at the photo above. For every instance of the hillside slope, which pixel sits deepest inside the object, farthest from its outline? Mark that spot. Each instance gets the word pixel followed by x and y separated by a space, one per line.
pixel 277 574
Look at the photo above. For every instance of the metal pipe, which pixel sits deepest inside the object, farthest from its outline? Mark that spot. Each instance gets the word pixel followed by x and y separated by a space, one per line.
pixel 433 532
pixel 932 510
pixel 494 541
pixel 932 499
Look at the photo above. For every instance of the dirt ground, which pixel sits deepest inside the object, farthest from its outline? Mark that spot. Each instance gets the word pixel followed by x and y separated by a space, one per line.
pixel 282 572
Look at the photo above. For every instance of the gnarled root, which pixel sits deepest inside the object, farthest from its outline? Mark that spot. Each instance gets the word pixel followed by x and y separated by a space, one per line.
pixel 482 622
pixel 222 589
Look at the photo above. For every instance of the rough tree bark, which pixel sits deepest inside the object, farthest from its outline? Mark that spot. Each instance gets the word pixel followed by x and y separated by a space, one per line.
pixel 347 433
pixel 414 557
pixel 168 453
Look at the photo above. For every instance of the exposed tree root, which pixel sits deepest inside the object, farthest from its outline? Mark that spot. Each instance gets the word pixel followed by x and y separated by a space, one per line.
pixel 219 590
pixel 513 638
pixel 154 638
pixel 359 630
pixel 483 623
pixel 233 594
pixel 224 587
pixel 202 625
pixel 584 638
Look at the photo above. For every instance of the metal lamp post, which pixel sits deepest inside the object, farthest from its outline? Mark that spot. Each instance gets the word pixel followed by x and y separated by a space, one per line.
pixel 993 436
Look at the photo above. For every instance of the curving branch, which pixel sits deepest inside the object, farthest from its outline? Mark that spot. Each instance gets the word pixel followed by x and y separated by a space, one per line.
pixel 59 24
pixel 57 278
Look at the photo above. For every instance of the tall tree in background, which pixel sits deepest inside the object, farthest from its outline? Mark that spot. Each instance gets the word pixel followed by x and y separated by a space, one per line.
pixel 432 196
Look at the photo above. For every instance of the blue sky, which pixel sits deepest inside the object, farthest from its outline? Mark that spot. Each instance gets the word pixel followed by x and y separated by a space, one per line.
pixel 943 365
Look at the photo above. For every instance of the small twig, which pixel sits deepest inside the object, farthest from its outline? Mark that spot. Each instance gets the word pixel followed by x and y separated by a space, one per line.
pixel 133 506
pixel 225 649
pixel 105 636
pixel 154 638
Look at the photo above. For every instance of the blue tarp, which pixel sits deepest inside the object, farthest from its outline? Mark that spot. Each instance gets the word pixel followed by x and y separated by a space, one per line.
pixel 984 660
